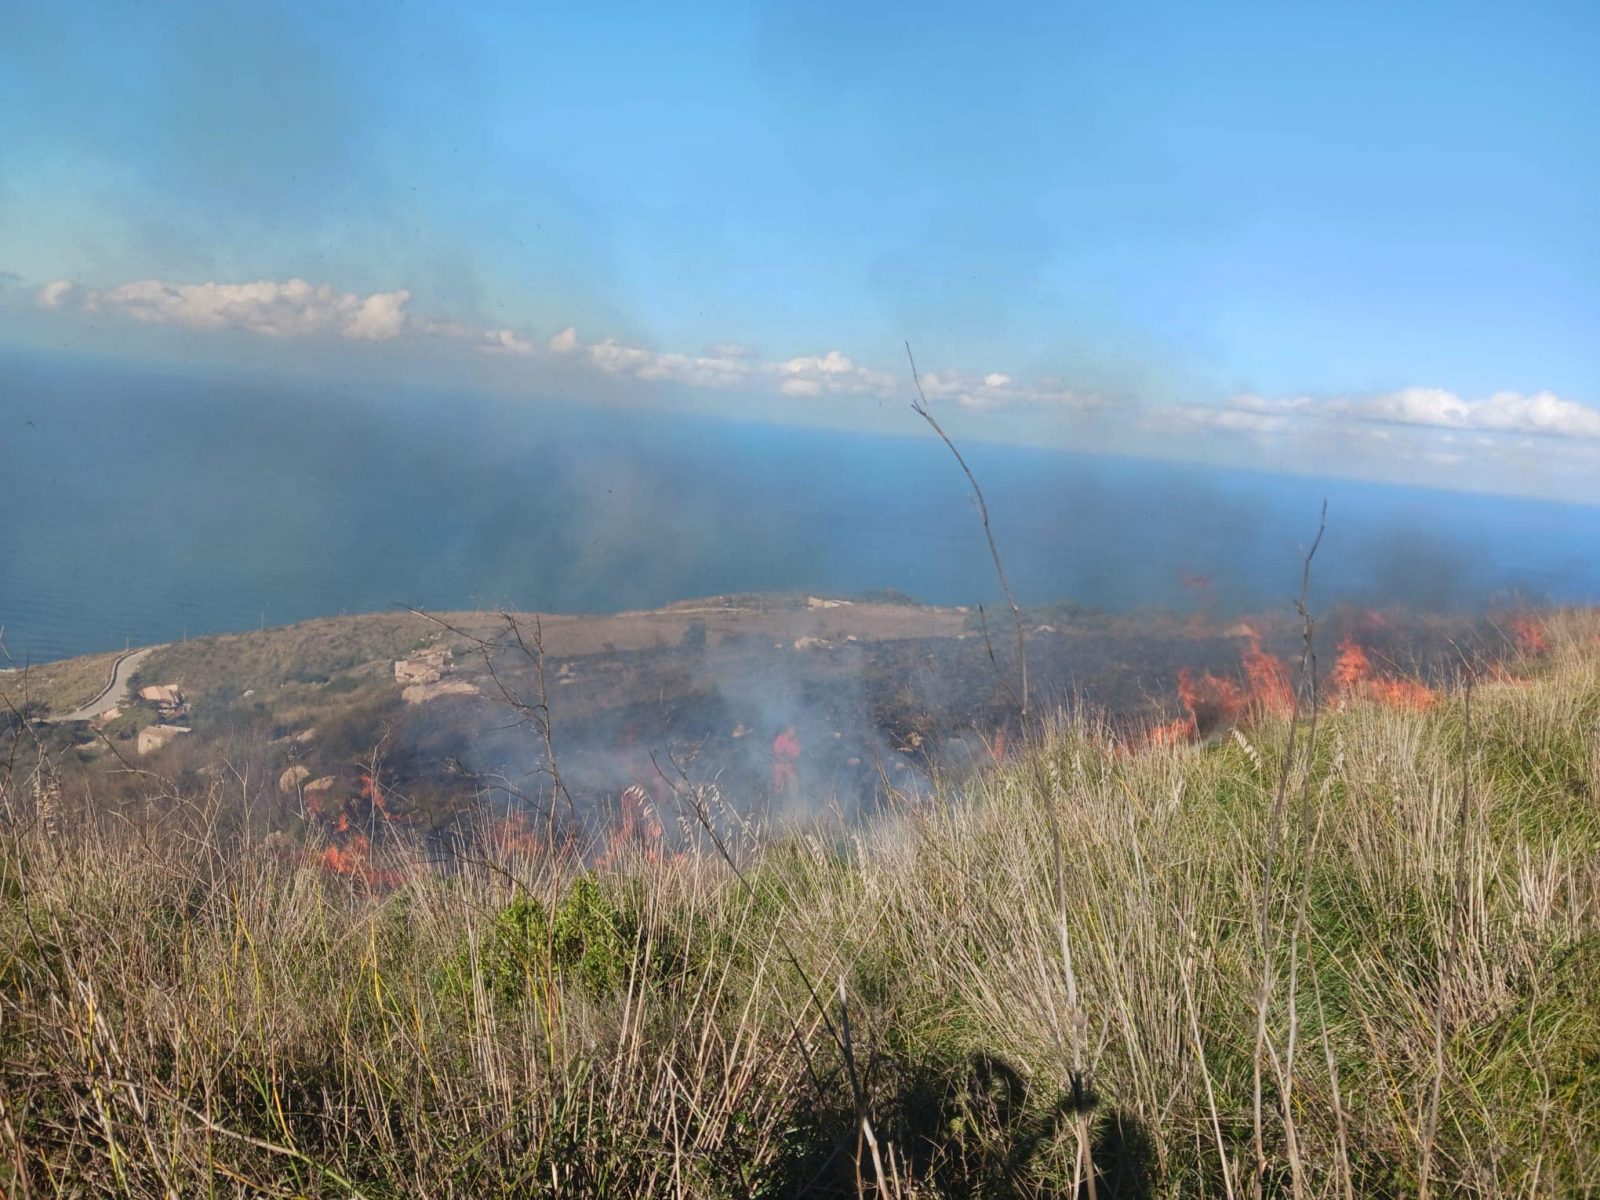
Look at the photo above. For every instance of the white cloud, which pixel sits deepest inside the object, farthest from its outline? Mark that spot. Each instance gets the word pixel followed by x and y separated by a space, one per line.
pixel 54 295
pixel 997 390
pixel 1533 444
pixel 297 308
pixel 490 341
pixel 721 366
pixel 1223 420
pixel 380 317
pixel 1538 440
pixel 830 374
pixel 704 370
pixel 506 341
pixel 1540 414
pixel 831 363
pixel 293 308
pixel 453 330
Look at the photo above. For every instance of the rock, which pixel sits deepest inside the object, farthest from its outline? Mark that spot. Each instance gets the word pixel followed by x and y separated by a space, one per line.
pixel 428 667
pixel 154 737
pixel 293 778
pixel 421 693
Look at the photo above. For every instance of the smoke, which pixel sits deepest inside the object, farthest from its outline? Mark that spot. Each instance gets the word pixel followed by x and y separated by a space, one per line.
pixel 146 506
pixel 149 504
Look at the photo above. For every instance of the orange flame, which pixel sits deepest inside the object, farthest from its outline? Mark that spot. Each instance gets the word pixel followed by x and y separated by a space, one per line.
pixel 1355 679
pixel 353 859
pixel 1402 693
pixel 1352 668
pixel 1171 733
pixel 350 858
pixel 515 835
pixel 1215 703
pixel 638 826
pixel 1212 700
pixel 1373 621
pixel 1271 691
pixel 1528 634
pixel 1498 672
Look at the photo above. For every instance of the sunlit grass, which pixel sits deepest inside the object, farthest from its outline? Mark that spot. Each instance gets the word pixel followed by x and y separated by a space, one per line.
pixel 179 1017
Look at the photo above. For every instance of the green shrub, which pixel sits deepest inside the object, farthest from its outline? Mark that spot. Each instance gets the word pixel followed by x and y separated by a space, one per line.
pixel 590 942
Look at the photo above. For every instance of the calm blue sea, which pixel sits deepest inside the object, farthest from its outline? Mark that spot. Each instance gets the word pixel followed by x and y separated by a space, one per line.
pixel 140 505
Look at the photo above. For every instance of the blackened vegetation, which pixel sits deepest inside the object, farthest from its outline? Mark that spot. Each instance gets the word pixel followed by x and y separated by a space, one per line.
pixel 701 705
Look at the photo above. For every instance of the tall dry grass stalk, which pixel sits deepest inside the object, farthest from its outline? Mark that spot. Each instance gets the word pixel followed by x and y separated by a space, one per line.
pixel 184 1012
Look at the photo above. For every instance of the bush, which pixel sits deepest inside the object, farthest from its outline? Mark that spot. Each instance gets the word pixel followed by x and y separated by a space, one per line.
pixel 591 942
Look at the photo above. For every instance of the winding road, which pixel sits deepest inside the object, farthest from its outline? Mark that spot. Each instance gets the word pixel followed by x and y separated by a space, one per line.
pixel 114 692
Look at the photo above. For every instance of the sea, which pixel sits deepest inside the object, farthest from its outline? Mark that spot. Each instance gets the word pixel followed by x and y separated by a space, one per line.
pixel 142 504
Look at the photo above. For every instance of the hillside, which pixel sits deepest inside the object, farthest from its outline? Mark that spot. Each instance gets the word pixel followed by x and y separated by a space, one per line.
pixel 883 695
pixel 979 990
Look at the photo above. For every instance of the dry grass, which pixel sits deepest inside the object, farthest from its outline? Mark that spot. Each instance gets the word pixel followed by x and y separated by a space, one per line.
pixel 184 1017
pixel 60 686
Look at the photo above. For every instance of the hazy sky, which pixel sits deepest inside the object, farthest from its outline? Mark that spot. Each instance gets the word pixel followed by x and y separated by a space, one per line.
pixel 1357 239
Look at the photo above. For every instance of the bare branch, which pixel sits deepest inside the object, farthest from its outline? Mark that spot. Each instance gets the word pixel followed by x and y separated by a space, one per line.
pixel 920 407
pixel 1274 836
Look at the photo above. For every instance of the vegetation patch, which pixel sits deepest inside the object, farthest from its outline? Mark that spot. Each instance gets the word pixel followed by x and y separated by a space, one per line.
pixel 1168 968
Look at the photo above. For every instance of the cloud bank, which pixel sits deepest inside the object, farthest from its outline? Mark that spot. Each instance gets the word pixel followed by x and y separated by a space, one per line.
pixel 295 308
pixel 1526 442
pixel 1541 414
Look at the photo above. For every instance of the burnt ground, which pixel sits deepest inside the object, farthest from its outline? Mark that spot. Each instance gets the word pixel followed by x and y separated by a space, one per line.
pixel 880 694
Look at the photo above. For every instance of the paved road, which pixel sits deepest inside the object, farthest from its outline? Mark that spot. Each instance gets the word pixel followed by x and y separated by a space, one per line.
pixel 115 692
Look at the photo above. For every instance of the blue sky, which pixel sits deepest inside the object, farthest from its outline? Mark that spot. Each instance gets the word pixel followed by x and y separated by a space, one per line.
pixel 1361 239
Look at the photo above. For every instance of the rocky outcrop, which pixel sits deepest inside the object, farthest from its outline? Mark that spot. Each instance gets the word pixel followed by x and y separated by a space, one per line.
pixel 421 693
pixel 154 737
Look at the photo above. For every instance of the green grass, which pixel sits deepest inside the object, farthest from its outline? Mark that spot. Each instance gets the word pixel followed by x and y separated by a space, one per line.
pixel 182 1014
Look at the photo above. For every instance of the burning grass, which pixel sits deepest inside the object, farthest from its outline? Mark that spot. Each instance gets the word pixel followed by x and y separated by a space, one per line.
pixel 180 1016
pixel 1263 689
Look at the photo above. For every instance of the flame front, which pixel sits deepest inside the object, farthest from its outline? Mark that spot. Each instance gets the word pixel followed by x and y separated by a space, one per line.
pixel 1354 679
pixel 1265 689
pixel 1528 634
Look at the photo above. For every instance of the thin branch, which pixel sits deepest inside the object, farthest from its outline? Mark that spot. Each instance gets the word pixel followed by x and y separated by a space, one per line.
pixel 920 407
pixel 1274 835
pixel 536 714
